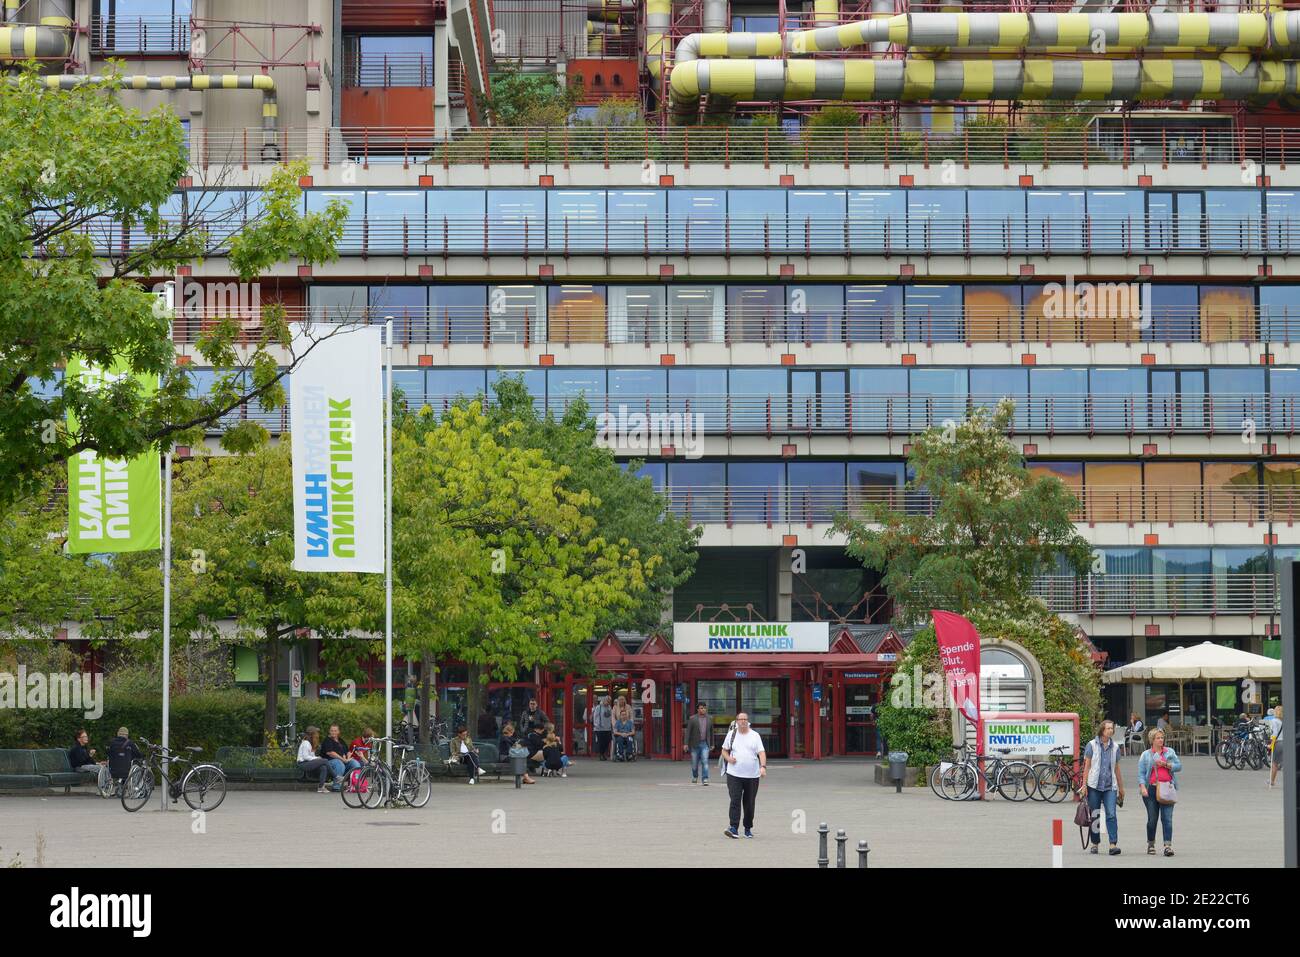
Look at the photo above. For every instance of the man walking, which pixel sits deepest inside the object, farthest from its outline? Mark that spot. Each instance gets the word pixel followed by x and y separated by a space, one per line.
pixel 699 741
pixel 746 764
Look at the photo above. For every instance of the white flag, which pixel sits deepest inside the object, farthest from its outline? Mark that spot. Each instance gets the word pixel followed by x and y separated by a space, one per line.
pixel 336 414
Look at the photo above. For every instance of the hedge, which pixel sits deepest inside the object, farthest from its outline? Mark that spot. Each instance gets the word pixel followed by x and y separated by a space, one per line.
pixel 208 720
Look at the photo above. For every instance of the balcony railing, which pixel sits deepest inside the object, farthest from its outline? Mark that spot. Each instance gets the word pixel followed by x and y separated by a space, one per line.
pixel 387 69
pixel 808 505
pixel 140 35
pixel 890 415
pixel 1226 594
pixel 729 325
pixel 538 235
pixel 883 144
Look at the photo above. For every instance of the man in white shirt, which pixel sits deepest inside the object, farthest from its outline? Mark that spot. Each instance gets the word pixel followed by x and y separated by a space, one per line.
pixel 746 765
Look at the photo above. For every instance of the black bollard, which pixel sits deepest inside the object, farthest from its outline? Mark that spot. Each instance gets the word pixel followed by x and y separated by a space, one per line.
pixel 840 840
pixel 519 780
pixel 863 851
pixel 822 831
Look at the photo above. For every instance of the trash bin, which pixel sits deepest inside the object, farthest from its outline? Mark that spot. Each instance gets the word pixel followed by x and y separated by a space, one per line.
pixel 518 764
pixel 897 768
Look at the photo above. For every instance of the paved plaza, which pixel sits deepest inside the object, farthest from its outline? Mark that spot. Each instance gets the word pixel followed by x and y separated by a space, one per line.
pixel 645 814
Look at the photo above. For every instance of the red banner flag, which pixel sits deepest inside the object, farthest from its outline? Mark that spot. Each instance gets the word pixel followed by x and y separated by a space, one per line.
pixel 959 650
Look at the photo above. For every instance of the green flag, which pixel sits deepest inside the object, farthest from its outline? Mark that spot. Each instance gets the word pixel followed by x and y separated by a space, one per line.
pixel 114 505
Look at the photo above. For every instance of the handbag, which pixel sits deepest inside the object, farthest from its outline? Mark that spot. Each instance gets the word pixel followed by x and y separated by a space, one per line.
pixel 1083 815
pixel 1166 793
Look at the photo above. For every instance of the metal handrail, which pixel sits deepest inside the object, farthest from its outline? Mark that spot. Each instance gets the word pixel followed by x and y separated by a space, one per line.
pixel 878 143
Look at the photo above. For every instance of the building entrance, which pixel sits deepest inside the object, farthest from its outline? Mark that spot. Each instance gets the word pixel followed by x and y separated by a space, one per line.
pixel 765 700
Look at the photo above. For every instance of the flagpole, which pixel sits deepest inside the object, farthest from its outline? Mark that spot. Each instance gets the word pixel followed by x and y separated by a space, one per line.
pixel 388 539
pixel 167 586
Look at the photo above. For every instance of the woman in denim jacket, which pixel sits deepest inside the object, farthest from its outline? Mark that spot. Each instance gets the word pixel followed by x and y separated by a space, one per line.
pixel 1158 763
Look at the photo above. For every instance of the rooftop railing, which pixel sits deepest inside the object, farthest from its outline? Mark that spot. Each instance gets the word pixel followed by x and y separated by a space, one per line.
pixel 883 144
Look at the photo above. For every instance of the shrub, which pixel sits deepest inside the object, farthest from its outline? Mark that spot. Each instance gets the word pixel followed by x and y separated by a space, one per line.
pixel 209 720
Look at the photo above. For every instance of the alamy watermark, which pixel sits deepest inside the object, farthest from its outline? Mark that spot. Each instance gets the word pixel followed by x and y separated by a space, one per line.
pixel 1125 301
pixel 75 691
pixel 647 433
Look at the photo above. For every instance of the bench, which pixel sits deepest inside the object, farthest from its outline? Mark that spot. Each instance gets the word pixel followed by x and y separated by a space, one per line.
pixel 440 761
pixel 41 768
pixel 249 765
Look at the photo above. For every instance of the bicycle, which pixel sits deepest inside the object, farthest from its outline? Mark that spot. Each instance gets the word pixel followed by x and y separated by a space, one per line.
pixel 1246 745
pixel 1056 778
pixel 1013 779
pixel 286 736
pixel 378 783
pixel 203 786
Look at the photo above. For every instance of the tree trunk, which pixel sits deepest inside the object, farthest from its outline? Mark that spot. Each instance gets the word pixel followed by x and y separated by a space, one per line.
pixel 426 686
pixel 473 698
pixel 272 715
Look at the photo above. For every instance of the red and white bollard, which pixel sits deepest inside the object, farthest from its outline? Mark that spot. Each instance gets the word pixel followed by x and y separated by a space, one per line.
pixel 1058 843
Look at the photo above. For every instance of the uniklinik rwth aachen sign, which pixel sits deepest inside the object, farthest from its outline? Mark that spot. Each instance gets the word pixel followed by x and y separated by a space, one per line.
pixel 751 637
pixel 1027 737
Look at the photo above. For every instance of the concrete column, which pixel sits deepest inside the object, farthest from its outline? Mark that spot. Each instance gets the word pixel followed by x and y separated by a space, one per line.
pixel 441 71
pixel 1137 697
pixel 783 585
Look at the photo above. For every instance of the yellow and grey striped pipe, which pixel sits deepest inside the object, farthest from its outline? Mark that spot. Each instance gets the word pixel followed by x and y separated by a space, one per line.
pixel 1035 79
pixel 826 12
pixel 1274 35
pixel 22 43
pixel 193 81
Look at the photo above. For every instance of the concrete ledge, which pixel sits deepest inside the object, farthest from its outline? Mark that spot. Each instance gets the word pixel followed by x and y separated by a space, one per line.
pixel 911 776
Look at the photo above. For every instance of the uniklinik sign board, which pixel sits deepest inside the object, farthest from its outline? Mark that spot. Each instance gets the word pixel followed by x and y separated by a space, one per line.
pixel 758 637
pixel 1027 736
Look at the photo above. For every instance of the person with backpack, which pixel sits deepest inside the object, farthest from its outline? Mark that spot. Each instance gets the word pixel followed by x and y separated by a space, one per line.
pixel 1157 768
pixel 122 753
pixel 745 765
pixel 1104 786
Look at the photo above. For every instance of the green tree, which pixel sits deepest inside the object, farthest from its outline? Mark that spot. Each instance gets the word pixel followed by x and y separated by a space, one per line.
pixel 538 100
pixel 233 575
pixel 498 560
pixel 992 527
pixel 77 162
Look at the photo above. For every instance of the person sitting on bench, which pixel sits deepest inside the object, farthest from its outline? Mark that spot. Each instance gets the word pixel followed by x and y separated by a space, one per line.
pixel 462 747
pixel 82 758
pixel 309 763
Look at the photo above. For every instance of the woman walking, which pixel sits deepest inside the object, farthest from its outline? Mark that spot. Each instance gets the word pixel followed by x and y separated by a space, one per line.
pixel 1156 769
pixel 1104 787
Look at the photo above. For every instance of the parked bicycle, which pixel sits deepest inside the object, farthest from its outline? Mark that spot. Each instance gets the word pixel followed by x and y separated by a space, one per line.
pixel 203 786
pixel 1056 778
pixel 1013 779
pixel 1244 746
pixel 379 783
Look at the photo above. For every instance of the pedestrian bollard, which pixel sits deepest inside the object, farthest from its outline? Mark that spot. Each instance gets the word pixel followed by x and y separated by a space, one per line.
pixel 822 860
pixel 863 851
pixel 840 840
pixel 1058 843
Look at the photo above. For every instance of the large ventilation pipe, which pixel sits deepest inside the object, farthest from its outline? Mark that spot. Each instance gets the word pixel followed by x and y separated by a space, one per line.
pixel 826 12
pixel 1273 34
pixel 917 79
pixel 721 65
pixel 52 40
pixel 194 81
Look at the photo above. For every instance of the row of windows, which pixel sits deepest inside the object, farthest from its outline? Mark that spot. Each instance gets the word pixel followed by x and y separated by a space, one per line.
pixel 683 220
pixel 736 490
pixel 856 312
